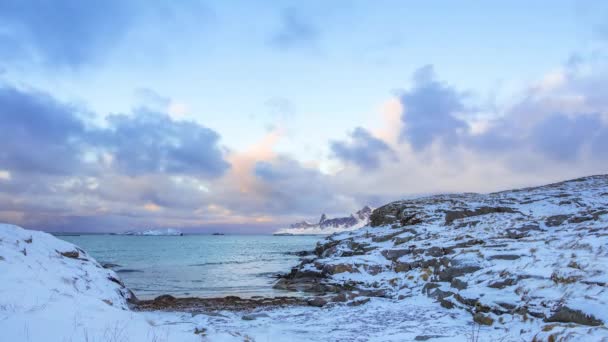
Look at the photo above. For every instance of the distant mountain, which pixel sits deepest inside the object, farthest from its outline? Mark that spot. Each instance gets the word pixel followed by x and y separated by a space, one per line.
pixel 329 225
pixel 154 232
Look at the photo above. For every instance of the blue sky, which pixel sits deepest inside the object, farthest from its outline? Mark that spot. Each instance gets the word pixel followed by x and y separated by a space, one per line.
pixel 246 102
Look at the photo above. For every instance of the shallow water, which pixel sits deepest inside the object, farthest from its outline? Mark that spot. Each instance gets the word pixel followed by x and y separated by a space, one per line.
pixel 197 265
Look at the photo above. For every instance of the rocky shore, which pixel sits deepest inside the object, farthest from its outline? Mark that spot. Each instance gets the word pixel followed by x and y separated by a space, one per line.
pixel 536 254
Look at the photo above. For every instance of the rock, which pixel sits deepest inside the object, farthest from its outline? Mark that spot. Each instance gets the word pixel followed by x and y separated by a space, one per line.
pixel 339 268
pixel 428 287
pixel 504 257
pixel 439 294
pixel 458 284
pixel 438 251
pixel 164 299
pixel 254 316
pixel 556 220
pixel 456 271
pixel 70 254
pixel 317 302
pixel 502 284
pixel 201 331
pixel 482 319
pixel 452 215
pixel 446 304
pixel 109 265
pixel 427 337
pixel 566 315
pixel 401 240
pixel 358 302
pixel 394 254
pixel 383 238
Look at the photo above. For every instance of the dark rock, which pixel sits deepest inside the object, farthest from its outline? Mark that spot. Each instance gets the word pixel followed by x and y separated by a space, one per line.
pixel 164 299
pixel 402 240
pixel 254 316
pixel 504 257
pixel 339 268
pixel 394 254
pixel 567 315
pixel 317 302
pixel 383 238
pixel 446 303
pixel 70 254
pixel 109 265
pixel 358 302
pixel 426 337
pixel 459 284
pixel 503 283
pixel 438 251
pixel 482 319
pixel 556 220
pixel 452 215
pixel 428 287
pixel 439 294
pixel 456 271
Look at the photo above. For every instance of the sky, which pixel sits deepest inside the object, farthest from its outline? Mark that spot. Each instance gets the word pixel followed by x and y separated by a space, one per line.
pixel 242 116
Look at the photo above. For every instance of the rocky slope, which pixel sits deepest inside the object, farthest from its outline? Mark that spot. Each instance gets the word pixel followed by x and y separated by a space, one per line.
pixel 327 226
pixel 531 261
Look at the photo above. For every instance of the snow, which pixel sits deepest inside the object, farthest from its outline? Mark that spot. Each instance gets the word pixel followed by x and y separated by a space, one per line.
pixel 155 232
pixel 47 296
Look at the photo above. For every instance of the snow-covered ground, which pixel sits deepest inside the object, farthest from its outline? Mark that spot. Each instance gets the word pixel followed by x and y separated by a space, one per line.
pixel 520 265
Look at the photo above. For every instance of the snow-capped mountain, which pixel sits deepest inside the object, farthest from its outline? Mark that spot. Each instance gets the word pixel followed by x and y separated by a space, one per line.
pixel 329 225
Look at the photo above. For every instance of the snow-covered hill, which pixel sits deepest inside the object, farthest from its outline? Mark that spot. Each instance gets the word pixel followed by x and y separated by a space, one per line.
pixel 51 290
pixel 327 226
pixel 531 263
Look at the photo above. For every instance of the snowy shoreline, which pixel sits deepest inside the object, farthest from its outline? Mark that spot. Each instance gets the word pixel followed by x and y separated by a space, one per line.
pixel 522 264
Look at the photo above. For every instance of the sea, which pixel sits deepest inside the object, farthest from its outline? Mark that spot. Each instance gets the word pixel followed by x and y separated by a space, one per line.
pixel 198 265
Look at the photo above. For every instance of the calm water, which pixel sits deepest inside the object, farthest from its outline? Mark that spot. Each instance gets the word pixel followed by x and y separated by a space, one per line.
pixel 197 265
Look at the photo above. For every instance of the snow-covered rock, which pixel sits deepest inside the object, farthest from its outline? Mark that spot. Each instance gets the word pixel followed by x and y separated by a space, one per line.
pixel 155 232
pixel 529 262
pixel 327 226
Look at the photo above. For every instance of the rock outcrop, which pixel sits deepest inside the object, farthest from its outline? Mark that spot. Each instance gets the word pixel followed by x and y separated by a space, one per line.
pixel 536 254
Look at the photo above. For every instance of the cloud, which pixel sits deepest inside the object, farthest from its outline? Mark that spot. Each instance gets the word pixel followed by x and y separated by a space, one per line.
pixel 364 150
pixel 64 33
pixel 39 134
pixel 151 142
pixel 296 30
pixel 287 188
pixel 430 110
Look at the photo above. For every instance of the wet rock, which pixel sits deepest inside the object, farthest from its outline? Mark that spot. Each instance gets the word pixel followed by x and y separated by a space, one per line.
pixel 109 265
pixel 452 215
pixel 567 315
pixel 482 319
pixel 556 220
